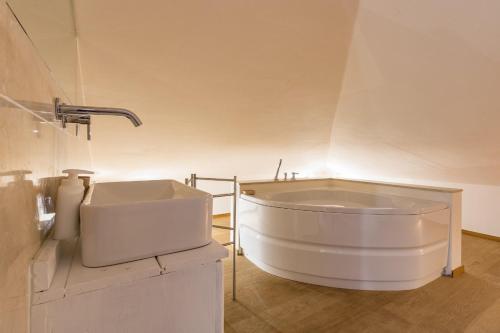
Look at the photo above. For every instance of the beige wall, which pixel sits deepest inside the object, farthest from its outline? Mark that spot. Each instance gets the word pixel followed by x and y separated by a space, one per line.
pixel 51 27
pixel 26 143
pixel 420 100
pixel 223 87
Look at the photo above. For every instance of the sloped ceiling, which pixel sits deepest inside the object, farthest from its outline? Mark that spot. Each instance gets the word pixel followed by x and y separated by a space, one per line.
pixel 223 87
pixel 421 93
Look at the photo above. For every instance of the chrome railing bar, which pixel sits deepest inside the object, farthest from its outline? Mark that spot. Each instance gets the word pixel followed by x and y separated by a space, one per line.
pixel 235 189
pixel 192 181
pixel 223 195
pixel 222 227
pixel 216 179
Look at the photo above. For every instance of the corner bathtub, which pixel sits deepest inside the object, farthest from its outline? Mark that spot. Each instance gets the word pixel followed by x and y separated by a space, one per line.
pixel 343 238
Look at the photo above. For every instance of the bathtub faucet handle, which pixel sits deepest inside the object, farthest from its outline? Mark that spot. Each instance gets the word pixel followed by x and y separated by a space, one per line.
pixel 294 174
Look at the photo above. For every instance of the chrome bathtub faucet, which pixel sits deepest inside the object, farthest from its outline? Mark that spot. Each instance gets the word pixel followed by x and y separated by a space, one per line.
pixel 276 177
pixel 285 178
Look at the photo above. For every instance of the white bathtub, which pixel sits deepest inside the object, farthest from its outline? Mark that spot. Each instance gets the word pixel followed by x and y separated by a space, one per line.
pixel 340 237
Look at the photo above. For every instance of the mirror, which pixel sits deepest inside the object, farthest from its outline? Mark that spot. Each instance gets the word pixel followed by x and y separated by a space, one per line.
pixel 51 27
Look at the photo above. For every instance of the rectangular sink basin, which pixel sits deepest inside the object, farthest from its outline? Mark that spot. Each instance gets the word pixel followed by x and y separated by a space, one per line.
pixel 125 221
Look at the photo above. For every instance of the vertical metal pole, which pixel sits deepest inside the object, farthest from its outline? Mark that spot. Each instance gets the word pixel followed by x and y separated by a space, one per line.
pixel 234 236
pixel 193 180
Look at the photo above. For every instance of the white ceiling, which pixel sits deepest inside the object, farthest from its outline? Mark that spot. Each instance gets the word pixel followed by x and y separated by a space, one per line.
pixel 222 87
pixel 230 86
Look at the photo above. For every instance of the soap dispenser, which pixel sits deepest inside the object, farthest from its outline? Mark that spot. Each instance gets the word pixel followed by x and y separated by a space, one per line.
pixel 69 198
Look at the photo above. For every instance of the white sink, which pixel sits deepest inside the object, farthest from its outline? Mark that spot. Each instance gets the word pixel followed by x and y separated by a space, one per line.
pixel 125 221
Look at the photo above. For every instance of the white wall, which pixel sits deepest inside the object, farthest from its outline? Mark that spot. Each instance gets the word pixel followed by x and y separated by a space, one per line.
pixel 420 100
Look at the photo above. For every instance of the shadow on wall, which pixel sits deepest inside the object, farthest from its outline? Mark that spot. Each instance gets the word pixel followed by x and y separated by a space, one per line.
pixel 32 152
pixel 26 215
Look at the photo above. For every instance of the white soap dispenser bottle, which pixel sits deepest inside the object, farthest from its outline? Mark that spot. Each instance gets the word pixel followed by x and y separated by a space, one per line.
pixel 69 198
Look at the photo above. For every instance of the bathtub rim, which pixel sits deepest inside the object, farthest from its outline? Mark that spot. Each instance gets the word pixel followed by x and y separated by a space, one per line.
pixel 436 206
pixel 246 183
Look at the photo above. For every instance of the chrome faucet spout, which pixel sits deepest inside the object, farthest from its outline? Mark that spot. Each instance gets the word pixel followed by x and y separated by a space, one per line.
pixel 79 114
pixel 78 110
pixel 91 110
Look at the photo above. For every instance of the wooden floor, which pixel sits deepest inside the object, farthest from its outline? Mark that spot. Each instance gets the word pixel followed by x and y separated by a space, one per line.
pixel 266 303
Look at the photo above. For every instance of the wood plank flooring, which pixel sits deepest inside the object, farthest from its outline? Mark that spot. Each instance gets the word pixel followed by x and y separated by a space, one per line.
pixel 266 303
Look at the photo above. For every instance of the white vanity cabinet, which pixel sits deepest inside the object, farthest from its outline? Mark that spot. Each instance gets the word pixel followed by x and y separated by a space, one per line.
pixel 178 292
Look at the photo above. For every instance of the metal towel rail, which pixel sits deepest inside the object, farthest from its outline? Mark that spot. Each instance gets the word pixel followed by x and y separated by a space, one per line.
pixel 192 181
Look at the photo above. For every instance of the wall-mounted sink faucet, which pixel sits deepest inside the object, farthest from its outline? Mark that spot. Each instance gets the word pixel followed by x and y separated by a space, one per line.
pixel 77 114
